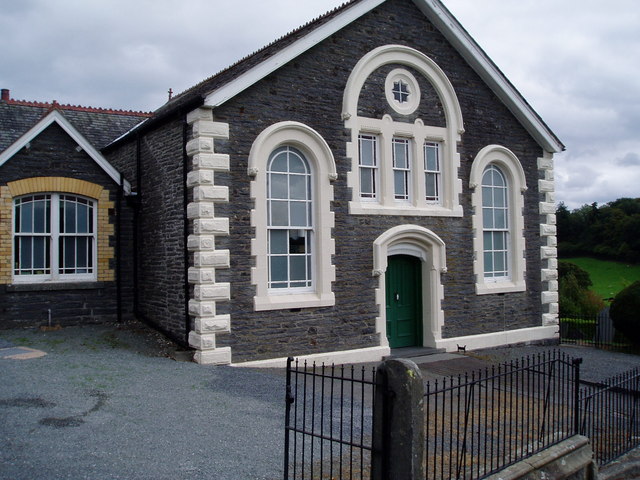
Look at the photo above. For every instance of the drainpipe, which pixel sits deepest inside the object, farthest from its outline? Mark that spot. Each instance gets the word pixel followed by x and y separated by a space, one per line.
pixel 119 249
pixel 185 201
pixel 136 227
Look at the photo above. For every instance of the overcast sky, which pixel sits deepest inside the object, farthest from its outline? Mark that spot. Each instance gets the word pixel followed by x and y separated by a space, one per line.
pixel 577 62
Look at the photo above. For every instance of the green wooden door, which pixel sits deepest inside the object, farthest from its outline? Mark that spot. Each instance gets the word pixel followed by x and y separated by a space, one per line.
pixel 404 302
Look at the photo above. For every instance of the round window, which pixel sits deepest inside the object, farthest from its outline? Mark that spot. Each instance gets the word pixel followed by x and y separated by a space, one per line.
pixel 402 91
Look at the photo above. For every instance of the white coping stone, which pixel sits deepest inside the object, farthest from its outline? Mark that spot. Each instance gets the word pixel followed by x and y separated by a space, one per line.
pixel 546 186
pixel 212 161
pixel 217 258
pixel 199 177
pixel 202 341
pixel 551 219
pixel 550 319
pixel 549 274
pixel 553 286
pixel 549 252
pixel 219 291
pixel 199 114
pixel 199 308
pixel 554 308
pixel 201 242
pixel 204 128
pixel 547 208
pixel 212 324
pixel 548 230
pixel 552 263
pixel 218 356
pixel 216 226
pixel 552 241
pixel 201 275
pixel 199 145
pixel 200 210
pixel 545 163
pixel 211 193
pixel 550 297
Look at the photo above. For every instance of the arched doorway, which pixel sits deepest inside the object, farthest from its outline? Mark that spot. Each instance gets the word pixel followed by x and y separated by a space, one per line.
pixel 403 282
pixel 409 260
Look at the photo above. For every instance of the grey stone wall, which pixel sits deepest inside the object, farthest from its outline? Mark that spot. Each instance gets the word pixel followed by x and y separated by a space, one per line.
pixel 53 153
pixel 159 225
pixel 309 90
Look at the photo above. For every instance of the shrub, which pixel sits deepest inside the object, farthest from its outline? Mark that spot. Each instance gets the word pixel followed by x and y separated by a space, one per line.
pixel 625 312
pixel 576 300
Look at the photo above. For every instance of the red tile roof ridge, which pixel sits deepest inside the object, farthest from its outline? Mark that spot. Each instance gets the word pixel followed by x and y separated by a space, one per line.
pixel 54 105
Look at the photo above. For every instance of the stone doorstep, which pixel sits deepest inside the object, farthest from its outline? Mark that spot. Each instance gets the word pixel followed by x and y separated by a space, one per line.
pixel 21 353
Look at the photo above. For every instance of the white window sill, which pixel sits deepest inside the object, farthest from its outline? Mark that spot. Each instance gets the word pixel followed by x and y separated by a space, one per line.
pixel 500 287
pixel 371 208
pixel 302 300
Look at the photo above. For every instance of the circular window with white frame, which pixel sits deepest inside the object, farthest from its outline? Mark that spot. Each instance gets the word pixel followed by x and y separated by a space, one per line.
pixel 402 91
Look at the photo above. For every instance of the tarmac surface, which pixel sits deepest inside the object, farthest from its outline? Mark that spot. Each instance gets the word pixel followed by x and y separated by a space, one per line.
pixel 107 402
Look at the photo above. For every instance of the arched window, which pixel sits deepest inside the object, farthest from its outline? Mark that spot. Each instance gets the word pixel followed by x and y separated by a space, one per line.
pixel 54 238
pixel 290 220
pixel 495 224
pixel 400 167
pixel 292 168
pixel 498 183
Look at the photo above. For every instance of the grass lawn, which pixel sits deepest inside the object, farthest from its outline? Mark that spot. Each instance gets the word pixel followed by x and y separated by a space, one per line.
pixel 608 277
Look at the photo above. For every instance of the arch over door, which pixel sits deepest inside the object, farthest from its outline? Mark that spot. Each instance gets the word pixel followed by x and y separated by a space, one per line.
pixel 404 301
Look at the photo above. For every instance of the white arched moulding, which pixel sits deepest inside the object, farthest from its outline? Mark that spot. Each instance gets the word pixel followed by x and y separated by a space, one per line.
pixel 505 160
pixel 422 243
pixel 323 168
pixel 419 134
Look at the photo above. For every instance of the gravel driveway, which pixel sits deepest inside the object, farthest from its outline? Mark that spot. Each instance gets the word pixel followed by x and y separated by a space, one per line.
pixel 105 404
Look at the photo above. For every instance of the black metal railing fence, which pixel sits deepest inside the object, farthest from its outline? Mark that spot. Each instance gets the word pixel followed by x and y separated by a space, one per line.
pixel 328 421
pixel 475 424
pixel 593 331
pixel 481 422
pixel 609 414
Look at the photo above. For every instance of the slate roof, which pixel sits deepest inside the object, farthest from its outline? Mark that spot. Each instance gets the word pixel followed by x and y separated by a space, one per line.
pixel 98 125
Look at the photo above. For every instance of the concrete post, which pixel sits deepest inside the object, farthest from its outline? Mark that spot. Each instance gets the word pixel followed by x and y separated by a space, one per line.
pixel 398 422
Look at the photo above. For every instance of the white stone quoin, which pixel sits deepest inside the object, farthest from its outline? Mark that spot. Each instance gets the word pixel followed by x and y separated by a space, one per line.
pixel 207 292
pixel 549 250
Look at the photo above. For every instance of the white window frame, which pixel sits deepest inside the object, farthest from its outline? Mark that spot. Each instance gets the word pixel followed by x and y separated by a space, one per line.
pixel 54 274
pixel 436 173
pixel 372 170
pixel 322 164
pixel 491 214
pixel 404 172
pixel 304 229
pixel 509 165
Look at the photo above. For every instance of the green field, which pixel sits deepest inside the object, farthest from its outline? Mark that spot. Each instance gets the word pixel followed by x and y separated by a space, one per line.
pixel 608 277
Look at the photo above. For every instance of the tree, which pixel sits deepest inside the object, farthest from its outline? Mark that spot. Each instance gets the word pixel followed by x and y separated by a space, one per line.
pixel 576 300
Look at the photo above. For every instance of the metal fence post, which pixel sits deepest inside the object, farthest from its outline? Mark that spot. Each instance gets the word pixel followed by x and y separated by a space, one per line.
pixel 398 422
pixel 576 394
pixel 289 399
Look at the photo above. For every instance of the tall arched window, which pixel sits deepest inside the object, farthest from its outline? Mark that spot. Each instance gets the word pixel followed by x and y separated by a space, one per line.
pixel 290 220
pixel 495 224
pixel 498 184
pixel 292 168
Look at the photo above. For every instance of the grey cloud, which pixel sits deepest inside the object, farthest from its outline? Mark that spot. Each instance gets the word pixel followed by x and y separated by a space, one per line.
pixel 631 159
